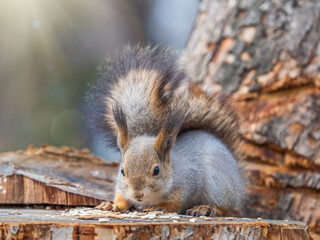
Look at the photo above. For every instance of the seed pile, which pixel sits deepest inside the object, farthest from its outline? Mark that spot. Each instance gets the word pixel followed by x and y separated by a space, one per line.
pixel 106 216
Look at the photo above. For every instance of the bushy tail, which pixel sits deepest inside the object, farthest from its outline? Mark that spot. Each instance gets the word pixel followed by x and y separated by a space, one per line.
pixel 210 113
pixel 144 83
pixel 138 80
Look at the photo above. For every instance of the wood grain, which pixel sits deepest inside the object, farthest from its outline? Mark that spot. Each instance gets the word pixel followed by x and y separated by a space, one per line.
pixel 49 224
pixel 58 176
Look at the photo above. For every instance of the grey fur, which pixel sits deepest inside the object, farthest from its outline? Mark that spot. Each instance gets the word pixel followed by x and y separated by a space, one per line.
pixel 204 171
pixel 216 177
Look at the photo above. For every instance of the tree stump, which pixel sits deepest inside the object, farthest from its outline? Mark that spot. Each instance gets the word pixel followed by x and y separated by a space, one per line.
pixel 55 176
pixel 266 55
pixel 52 177
pixel 51 224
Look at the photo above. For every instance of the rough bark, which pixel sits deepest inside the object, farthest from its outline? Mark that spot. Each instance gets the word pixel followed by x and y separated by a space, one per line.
pixel 44 224
pixel 265 54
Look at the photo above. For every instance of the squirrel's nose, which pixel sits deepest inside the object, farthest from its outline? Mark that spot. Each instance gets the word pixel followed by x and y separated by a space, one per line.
pixel 138 195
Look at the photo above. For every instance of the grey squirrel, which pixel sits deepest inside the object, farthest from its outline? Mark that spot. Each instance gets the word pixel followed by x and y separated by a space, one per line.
pixel 178 144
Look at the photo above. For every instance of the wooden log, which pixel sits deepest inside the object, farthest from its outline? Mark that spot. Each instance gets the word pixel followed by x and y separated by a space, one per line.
pixel 53 184
pixel 58 176
pixel 44 178
pixel 51 224
pixel 18 189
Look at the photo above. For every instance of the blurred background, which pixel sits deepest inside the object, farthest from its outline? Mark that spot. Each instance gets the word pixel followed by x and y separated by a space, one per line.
pixel 49 51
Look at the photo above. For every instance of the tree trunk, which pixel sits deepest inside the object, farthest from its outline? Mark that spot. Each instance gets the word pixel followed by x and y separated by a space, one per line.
pixel 265 54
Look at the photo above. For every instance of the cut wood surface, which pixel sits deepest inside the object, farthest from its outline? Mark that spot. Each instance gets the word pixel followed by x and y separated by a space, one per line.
pixel 66 176
pixel 51 175
pixel 52 224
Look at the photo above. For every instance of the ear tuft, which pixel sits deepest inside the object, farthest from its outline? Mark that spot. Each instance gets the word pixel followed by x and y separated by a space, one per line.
pixel 173 122
pixel 167 135
pixel 120 119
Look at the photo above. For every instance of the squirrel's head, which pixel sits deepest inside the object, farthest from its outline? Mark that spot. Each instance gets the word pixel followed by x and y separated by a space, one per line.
pixel 145 170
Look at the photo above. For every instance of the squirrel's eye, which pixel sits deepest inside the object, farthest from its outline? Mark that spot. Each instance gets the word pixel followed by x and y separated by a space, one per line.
pixel 122 171
pixel 156 171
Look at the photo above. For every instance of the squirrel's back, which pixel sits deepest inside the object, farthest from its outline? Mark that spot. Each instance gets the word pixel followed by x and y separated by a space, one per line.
pixel 203 164
pixel 143 82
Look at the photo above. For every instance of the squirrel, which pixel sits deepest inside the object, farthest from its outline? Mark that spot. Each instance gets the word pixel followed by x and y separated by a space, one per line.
pixel 178 144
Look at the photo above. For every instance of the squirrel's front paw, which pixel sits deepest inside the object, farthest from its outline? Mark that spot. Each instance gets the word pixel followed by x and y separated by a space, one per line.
pixel 204 210
pixel 109 206
pixel 105 206
pixel 154 208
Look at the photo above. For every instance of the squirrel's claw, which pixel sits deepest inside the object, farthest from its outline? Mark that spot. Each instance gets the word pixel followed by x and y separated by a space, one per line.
pixel 108 206
pixel 154 208
pixel 203 210
pixel 105 206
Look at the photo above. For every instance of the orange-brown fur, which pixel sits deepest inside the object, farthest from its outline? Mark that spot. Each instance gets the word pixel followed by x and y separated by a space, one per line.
pixel 121 202
pixel 173 206
pixel 209 113
pixel 160 141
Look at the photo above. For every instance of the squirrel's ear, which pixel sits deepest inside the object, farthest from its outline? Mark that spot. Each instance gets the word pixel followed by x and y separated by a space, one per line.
pixel 120 118
pixel 167 135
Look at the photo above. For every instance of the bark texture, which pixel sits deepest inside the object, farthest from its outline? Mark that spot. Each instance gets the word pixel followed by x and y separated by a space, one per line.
pixel 265 54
